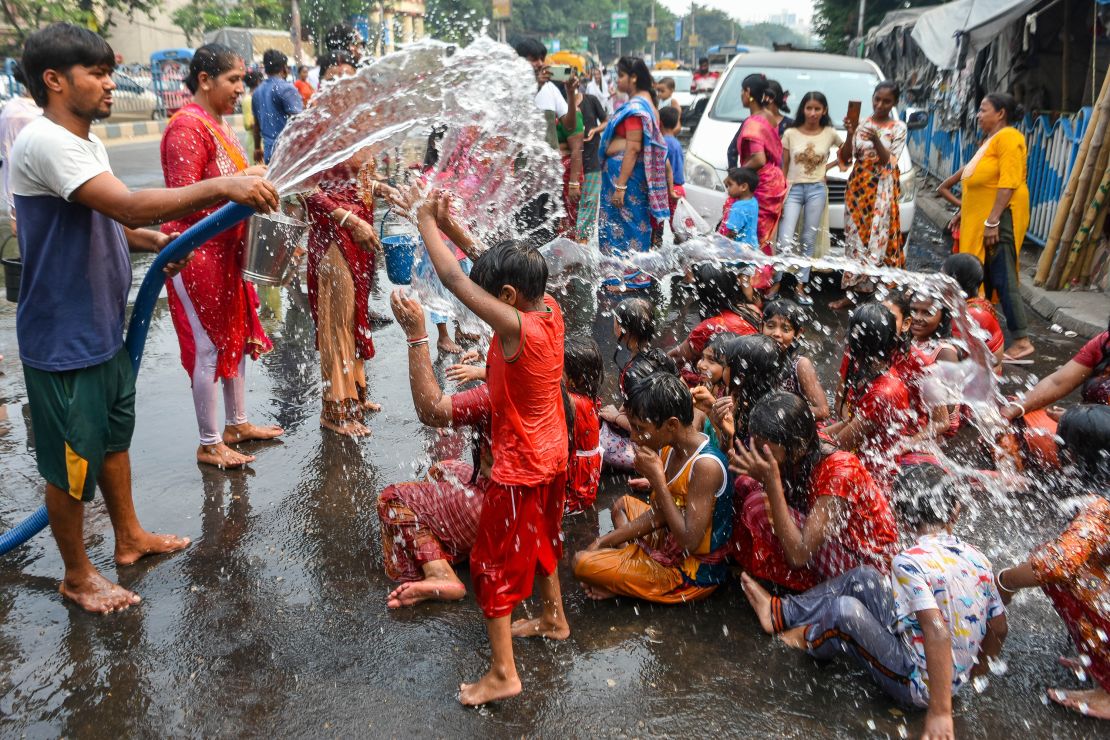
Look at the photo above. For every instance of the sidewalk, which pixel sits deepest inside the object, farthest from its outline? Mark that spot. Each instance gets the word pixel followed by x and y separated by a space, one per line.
pixel 1083 311
pixel 118 133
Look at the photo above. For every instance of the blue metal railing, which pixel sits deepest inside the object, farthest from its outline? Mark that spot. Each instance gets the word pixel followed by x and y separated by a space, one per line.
pixel 1053 147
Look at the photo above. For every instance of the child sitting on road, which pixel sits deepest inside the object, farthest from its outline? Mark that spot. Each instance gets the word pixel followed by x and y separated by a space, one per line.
pixel 618 452
pixel 967 271
pixel 671 550
pixel 805 512
pixel 582 376
pixel 740 218
pixel 784 321
pixel 722 302
pixel 931 328
pixel 923 631
pixel 519 532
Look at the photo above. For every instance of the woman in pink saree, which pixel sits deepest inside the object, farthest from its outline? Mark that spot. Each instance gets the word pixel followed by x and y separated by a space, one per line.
pixel 760 149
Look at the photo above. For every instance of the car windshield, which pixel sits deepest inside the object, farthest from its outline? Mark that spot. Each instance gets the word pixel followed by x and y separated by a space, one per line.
pixel 682 80
pixel 838 87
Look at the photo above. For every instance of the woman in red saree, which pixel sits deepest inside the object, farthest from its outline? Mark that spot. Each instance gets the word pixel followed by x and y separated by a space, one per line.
pixel 760 149
pixel 214 311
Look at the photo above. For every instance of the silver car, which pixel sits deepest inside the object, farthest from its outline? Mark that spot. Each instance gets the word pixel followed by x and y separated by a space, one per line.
pixel 840 78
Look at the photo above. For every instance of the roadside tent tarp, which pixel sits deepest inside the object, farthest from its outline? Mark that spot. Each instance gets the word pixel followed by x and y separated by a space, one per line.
pixel 937 31
pixel 252 43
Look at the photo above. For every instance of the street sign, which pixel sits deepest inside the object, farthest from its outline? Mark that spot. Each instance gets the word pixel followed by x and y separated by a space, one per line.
pixel 553 45
pixel 692 40
pixel 652 33
pixel 678 30
pixel 618 25
pixel 582 43
pixel 502 9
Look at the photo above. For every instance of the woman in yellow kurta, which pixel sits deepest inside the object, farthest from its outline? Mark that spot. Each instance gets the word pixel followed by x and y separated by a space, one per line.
pixel 994 213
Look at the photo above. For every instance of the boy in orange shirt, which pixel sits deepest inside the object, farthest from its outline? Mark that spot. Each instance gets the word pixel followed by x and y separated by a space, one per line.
pixel 519 529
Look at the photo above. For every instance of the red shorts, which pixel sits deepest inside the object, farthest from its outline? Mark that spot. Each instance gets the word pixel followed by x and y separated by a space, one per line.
pixel 520 531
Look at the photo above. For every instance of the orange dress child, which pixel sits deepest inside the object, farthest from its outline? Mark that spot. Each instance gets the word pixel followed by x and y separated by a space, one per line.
pixel 520 529
pixel 655 567
pixel 584 465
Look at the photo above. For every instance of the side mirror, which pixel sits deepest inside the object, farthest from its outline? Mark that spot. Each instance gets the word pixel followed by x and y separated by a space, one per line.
pixel 917 119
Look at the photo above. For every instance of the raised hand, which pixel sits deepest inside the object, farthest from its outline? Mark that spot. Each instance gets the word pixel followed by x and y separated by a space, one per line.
pixel 409 313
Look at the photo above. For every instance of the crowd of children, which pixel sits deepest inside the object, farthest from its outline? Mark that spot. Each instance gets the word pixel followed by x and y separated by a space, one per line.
pixel 739 464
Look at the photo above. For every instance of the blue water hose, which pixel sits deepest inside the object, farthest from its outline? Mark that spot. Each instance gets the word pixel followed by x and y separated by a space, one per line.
pixel 155 278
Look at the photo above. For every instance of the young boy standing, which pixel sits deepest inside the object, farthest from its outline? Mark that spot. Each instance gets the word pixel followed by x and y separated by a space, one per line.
pixel 519 529
pixel 741 214
pixel 77 222
pixel 923 632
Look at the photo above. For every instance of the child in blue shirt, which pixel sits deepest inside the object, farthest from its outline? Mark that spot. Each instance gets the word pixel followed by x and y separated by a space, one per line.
pixel 741 213
pixel 670 123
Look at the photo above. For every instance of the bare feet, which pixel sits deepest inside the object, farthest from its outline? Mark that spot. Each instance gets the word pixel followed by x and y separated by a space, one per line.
pixel 346 428
pixel 222 456
pixel 247 432
pixel 1091 703
pixel 540 627
pixel 490 687
pixel 448 346
pixel 795 637
pixel 597 593
pixel 95 593
pixel 760 599
pixel 429 589
pixel 372 407
pixel 1019 353
pixel 132 548
pixel 841 303
pixel 1072 664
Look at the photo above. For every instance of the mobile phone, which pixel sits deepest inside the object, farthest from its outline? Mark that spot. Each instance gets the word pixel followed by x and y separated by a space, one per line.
pixel 854 107
pixel 560 72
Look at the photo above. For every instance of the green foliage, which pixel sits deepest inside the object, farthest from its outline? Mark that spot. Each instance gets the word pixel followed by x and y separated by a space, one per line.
pixel 835 21
pixel 26 16
pixel 200 16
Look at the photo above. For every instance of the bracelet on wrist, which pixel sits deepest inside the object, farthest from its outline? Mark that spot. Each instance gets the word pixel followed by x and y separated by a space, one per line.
pixel 989 225
pixel 346 216
pixel 1020 406
pixel 417 340
pixel 998 582
pixel 620 187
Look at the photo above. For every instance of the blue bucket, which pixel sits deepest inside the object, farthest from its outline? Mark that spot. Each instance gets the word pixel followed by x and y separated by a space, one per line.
pixel 400 252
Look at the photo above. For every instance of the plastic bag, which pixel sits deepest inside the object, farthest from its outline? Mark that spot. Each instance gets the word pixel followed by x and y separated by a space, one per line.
pixel 686 222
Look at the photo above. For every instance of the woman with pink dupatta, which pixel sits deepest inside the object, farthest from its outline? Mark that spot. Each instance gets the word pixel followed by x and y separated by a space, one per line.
pixel 214 310
pixel 760 149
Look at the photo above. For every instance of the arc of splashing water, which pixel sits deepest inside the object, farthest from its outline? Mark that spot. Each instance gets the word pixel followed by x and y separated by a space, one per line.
pixel 143 309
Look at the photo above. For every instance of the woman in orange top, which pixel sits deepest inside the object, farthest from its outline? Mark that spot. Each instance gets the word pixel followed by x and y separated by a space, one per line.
pixel 214 310
pixel 994 212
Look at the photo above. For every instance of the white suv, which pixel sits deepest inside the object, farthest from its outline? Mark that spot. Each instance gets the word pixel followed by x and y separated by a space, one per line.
pixel 840 78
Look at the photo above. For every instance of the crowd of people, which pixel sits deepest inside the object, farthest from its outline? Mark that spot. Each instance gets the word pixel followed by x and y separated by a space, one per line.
pixel 834 511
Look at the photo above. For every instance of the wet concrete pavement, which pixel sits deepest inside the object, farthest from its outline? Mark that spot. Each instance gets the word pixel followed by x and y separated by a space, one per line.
pixel 274 621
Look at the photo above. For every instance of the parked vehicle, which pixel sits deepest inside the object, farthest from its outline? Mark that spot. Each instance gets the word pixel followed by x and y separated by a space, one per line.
pixel 131 101
pixel 840 78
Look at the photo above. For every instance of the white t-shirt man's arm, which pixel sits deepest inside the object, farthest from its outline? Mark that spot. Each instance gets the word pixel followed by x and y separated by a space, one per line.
pixel 47 159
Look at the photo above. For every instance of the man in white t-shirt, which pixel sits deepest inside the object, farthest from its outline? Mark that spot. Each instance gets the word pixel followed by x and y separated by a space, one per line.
pixel 18 112
pixel 77 222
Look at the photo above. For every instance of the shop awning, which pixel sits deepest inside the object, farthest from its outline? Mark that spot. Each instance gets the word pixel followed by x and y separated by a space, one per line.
pixel 938 30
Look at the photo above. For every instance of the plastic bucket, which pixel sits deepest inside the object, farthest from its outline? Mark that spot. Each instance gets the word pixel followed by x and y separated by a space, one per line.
pixel 400 252
pixel 271 240
pixel 13 270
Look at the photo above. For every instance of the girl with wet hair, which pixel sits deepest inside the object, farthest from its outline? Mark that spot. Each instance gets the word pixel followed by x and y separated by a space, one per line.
pixel 616 446
pixel 724 306
pixel 931 330
pixel 672 549
pixel 879 413
pixel 633 328
pixel 757 365
pixel 582 378
pixel 804 511
pixel 1073 570
pixel 967 271
pixel 785 322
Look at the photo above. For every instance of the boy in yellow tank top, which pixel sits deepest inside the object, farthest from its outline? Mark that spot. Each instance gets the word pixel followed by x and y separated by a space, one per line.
pixel 671 549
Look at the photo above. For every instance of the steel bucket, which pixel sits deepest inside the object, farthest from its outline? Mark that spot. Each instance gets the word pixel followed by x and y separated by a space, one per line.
pixel 271 240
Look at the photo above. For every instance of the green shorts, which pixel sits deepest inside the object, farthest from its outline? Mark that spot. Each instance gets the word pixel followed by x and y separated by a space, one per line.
pixel 78 417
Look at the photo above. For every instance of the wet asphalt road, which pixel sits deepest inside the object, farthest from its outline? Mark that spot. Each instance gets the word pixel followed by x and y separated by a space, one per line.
pixel 274 621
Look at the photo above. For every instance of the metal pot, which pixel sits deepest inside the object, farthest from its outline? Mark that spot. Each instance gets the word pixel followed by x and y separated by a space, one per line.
pixel 271 240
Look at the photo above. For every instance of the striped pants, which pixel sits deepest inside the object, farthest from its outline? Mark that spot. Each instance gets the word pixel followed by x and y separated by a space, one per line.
pixel 850 615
